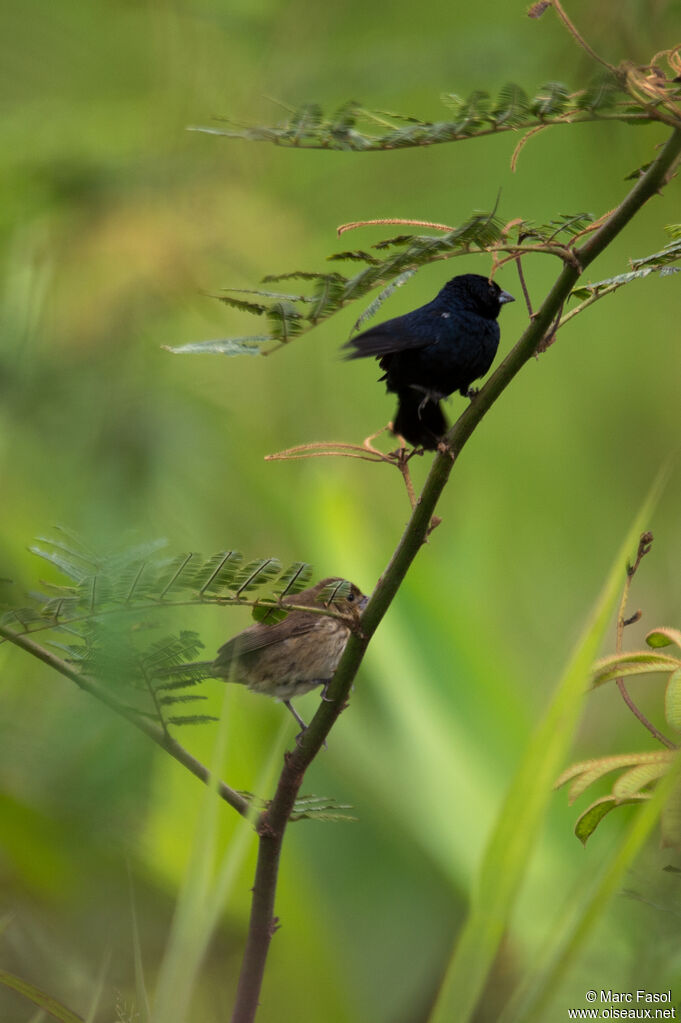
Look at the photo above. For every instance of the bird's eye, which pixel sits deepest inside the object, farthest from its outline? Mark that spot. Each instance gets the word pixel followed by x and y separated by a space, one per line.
pixel 351 595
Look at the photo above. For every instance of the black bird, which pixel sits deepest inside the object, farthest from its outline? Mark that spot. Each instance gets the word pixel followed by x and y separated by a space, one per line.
pixel 435 350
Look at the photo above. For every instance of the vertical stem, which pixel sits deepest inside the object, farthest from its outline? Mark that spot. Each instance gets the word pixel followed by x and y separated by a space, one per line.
pixel 262 926
pixel 271 829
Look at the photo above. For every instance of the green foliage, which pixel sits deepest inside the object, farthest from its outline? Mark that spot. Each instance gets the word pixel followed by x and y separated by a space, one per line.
pixel 354 127
pixel 332 291
pixel 641 771
pixel 321 808
pixel 308 807
pixel 373 308
pixel 601 288
pixel 99 620
pixel 569 224
pixel 594 814
pixel 137 579
pixel 405 254
pixel 290 582
pixel 657 262
pixel 671 253
pixel 335 591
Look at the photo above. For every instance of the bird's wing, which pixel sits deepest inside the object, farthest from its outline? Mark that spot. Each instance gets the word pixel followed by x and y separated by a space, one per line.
pixel 412 331
pixel 259 636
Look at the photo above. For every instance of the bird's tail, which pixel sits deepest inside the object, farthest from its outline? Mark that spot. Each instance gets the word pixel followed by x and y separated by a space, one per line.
pixel 419 420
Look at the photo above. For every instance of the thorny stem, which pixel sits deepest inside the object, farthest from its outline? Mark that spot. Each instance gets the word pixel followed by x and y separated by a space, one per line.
pixel 272 824
pixel 644 545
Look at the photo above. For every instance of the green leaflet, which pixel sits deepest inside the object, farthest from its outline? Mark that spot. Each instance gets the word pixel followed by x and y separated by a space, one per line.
pixel 594 814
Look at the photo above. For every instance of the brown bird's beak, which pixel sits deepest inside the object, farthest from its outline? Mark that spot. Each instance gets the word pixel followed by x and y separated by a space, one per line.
pixel 505 297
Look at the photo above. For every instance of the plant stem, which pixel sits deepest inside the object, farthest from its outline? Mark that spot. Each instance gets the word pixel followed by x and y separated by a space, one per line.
pixel 272 824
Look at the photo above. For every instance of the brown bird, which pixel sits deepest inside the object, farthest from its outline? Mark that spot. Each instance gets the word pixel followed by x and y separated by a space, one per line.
pixel 297 654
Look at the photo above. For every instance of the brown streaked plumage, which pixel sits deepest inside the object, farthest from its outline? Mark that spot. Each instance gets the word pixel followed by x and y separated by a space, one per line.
pixel 295 655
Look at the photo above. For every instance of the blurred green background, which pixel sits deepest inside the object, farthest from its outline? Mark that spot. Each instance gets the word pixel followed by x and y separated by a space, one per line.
pixel 117 223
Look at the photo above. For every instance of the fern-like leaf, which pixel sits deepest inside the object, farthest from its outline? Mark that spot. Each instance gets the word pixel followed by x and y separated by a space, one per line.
pixel 356 128
pixel 321 808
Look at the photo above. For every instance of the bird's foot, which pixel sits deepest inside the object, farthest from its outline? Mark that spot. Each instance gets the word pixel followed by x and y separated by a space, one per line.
pixel 303 726
pixel 325 688
pixel 301 735
pixel 404 452
pixel 403 455
pixel 470 392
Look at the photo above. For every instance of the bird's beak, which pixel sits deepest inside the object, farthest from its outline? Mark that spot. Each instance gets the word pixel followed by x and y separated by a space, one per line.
pixel 505 297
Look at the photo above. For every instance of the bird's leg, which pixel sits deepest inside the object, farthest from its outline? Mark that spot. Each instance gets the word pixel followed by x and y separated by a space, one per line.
pixel 303 726
pixel 289 706
pixel 325 683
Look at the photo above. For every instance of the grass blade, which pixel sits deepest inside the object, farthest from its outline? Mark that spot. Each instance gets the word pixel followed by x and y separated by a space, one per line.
pixel 38 997
pixel 509 848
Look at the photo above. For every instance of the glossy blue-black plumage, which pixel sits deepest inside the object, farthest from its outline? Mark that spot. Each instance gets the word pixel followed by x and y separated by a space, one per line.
pixel 435 350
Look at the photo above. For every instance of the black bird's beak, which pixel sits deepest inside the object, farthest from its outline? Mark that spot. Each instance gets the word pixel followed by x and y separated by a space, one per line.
pixel 505 297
